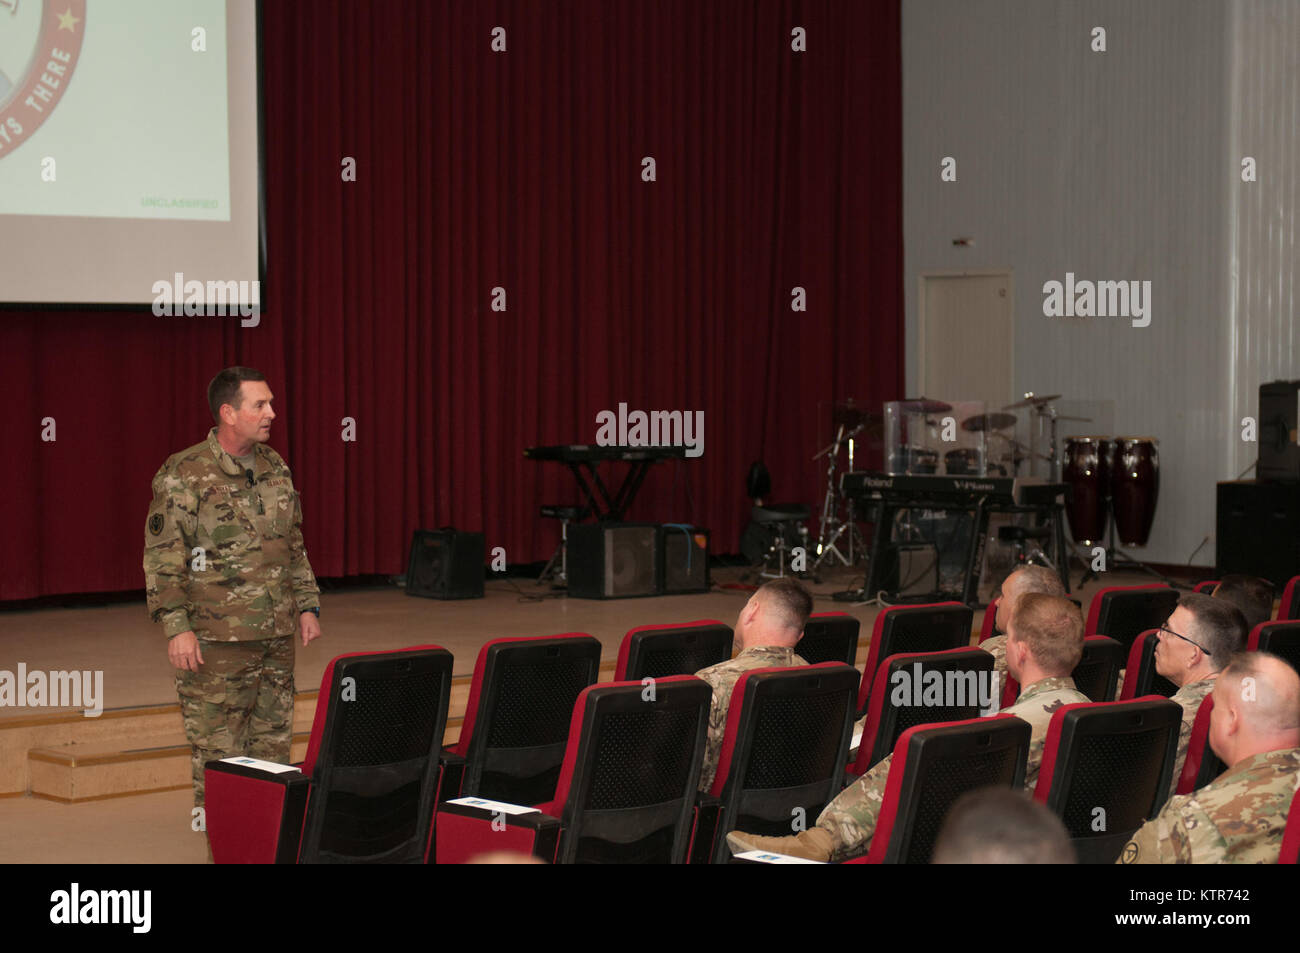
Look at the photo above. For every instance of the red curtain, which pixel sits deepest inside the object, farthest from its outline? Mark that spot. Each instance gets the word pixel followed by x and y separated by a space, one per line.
pixel 520 170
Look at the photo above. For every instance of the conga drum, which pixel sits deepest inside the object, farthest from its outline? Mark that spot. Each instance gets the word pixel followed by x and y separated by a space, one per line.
pixel 1134 486
pixel 1086 471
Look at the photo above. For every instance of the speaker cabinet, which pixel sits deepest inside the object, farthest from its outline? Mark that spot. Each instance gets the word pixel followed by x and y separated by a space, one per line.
pixel 1279 417
pixel 1258 530
pixel 684 559
pixel 613 560
pixel 446 564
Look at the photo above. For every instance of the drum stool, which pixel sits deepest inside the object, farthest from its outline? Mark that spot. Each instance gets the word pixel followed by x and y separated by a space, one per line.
pixel 557 568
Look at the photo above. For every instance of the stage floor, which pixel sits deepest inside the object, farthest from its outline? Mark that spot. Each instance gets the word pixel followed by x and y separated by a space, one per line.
pixel 120 641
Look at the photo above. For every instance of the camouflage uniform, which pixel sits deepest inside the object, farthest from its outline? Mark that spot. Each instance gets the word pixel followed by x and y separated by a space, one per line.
pixel 241 596
pixel 997 647
pixel 851 817
pixel 1189 697
pixel 722 679
pixel 1236 819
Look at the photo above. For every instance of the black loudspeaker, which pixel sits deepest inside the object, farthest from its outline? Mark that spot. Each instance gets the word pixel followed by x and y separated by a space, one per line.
pixel 684 559
pixel 1279 418
pixel 613 560
pixel 445 564
pixel 1258 530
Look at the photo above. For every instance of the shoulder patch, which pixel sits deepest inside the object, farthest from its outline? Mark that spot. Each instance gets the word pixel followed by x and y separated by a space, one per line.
pixel 156 524
pixel 1130 853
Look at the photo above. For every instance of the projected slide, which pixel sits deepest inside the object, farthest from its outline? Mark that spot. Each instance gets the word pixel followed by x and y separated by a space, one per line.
pixel 129 143
pixel 104 95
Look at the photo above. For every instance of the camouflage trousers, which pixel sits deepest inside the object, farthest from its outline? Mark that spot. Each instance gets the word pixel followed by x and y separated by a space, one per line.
pixel 240 702
pixel 851 818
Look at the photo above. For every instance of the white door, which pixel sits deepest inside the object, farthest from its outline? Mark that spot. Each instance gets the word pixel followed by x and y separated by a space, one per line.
pixel 966 338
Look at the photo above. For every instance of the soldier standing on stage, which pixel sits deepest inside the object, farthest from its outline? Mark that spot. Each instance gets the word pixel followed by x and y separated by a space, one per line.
pixel 227 576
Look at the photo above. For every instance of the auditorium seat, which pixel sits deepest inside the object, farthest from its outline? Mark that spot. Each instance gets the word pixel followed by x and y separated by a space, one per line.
pixel 1206 587
pixel 1095 675
pixel 886 721
pixel 1124 612
pixel 626 792
pixel 783 752
pixel 1280 638
pixel 1106 769
pixel 988 629
pixel 517 715
pixel 1202 765
pixel 367 789
pixel 830 637
pixel 657 651
pixel 1289 607
pixel 1140 675
pixel 931 627
pixel 934 765
pixel 1290 852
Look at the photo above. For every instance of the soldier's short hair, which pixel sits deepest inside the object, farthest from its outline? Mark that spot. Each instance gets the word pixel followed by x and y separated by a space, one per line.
pixel 224 388
pixel 1219 627
pixel 791 602
pixel 1031 578
pixel 1052 627
pixel 1251 594
pixel 1275 690
pixel 1001 826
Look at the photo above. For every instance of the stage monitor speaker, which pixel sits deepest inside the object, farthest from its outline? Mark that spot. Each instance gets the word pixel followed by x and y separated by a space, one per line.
pixel 1279 419
pixel 1258 530
pixel 613 560
pixel 446 564
pixel 684 558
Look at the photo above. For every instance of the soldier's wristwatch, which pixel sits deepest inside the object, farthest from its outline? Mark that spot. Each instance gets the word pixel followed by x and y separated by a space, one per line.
pixel 314 610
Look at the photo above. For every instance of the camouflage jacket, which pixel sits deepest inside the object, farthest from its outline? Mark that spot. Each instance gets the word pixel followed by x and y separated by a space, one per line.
pixel 1189 697
pixel 1036 705
pixel 249 578
pixel 997 647
pixel 722 679
pixel 1236 819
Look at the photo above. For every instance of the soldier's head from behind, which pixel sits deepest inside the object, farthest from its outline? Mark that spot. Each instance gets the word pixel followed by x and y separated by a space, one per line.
pixel 1044 638
pixel 240 401
pixel 1022 581
pixel 1256 707
pixel 774 615
pixel 1198 639
pixel 1251 594
pixel 1001 826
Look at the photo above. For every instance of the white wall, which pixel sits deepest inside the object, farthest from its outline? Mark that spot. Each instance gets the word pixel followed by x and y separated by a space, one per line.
pixel 1116 165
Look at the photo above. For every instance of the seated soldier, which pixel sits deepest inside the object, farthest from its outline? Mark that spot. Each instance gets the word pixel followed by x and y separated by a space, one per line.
pixel 1044 644
pixel 1202 634
pixel 1001 826
pixel 767 630
pixel 1251 594
pixel 1239 817
pixel 1021 581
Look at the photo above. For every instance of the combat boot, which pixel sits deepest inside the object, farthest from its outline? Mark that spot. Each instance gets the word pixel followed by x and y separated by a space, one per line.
pixel 816 844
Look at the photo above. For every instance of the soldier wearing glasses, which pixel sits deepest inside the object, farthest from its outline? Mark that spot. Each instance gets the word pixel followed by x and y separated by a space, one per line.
pixel 1200 637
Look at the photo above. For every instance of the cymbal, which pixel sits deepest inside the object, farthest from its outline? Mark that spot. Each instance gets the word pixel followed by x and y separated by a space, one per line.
pixel 923 405
pixel 988 422
pixel 848 413
pixel 1032 401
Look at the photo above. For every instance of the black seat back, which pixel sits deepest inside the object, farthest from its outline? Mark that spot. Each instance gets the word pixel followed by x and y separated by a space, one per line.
pixel 1280 638
pixel 783 755
pixel 830 637
pixel 375 772
pixel 1106 770
pixel 1125 613
pixel 1097 673
pixel 626 793
pixel 658 651
pixel 521 714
